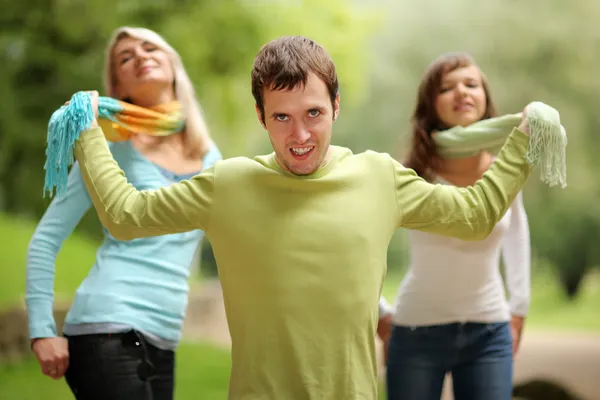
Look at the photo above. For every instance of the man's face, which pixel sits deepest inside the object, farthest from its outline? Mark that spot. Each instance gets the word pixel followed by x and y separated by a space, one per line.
pixel 299 122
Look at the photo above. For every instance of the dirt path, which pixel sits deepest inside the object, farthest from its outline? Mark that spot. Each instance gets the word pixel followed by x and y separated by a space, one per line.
pixel 571 359
pixel 205 318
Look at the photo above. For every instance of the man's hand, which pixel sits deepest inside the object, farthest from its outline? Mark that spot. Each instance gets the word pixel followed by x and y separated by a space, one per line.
pixel 524 126
pixel 52 355
pixel 516 329
pixel 94 99
pixel 94 95
pixel 384 331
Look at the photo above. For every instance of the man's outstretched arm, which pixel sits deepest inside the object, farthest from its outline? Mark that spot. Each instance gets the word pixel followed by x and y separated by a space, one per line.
pixel 466 213
pixel 128 213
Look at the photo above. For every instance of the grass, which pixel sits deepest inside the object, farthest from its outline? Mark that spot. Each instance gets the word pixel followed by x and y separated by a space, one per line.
pixel 549 309
pixel 202 373
pixel 73 262
pixel 72 265
pixel 202 370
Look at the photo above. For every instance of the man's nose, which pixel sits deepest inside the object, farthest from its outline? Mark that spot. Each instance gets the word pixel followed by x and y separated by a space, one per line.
pixel 300 133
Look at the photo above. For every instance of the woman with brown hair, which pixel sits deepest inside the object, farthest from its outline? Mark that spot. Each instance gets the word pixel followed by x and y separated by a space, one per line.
pixel 451 314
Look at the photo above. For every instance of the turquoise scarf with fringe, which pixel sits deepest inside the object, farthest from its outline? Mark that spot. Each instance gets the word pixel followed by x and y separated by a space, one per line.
pixel 119 121
pixel 547 140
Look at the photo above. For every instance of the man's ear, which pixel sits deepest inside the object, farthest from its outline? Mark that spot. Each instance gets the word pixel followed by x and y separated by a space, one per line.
pixel 261 117
pixel 336 107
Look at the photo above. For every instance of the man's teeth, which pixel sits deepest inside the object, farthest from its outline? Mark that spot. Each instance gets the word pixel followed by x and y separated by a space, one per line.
pixel 301 151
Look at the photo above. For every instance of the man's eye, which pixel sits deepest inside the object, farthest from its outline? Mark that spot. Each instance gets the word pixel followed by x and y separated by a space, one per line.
pixel 314 113
pixel 281 117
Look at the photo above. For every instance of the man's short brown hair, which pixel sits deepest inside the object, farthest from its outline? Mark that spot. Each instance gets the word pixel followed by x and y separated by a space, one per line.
pixel 286 62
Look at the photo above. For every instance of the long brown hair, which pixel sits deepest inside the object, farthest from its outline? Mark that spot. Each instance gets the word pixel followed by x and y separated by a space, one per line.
pixel 423 156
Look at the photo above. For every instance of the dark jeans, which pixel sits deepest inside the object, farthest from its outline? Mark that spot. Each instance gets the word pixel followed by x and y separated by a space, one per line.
pixel 479 357
pixel 121 366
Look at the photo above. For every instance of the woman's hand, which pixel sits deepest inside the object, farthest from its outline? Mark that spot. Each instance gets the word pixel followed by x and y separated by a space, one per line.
pixel 516 330
pixel 384 331
pixel 52 355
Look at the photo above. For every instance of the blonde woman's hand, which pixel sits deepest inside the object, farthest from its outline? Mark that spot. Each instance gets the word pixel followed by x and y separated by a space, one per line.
pixel 52 355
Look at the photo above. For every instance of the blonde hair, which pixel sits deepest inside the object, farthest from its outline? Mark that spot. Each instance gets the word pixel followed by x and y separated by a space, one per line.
pixel 197 138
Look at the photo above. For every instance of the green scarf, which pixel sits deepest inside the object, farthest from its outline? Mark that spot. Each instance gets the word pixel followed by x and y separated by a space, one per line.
pixel 547 140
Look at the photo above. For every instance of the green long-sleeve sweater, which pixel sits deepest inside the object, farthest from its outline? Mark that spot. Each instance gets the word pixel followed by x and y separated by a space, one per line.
pixel 302 259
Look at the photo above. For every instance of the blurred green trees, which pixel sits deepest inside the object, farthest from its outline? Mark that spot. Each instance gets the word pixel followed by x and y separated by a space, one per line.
pixel 539 50
pixel 49 50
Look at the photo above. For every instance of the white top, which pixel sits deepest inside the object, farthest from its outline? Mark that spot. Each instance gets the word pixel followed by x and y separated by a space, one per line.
pixel 451 280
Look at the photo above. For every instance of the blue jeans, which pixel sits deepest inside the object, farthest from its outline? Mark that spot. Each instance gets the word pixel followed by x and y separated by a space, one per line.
pixel 121 366
pixel 479 357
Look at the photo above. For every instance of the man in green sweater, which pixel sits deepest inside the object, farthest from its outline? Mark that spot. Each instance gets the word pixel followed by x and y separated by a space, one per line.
pixel 301 235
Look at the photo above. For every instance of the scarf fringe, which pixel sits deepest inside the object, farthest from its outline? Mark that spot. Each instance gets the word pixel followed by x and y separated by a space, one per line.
pixel 64 128
pixel 119 120
pixel 547 150
pixel 547 144
pixel 547 140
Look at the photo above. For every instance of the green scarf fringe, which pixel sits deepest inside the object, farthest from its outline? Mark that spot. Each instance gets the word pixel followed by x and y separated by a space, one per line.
pixel 547 140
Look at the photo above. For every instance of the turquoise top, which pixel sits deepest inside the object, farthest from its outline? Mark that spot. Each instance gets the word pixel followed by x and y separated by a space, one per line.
pixel 140 284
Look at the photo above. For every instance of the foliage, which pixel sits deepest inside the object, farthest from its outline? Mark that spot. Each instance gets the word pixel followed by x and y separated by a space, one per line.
pixel 49 50
pixel 550 308
pixel 534 51
pixel 72 265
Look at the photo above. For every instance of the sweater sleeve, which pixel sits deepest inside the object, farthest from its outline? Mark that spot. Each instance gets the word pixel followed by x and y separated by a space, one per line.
pixel 60 219
pixel 516 254
pixel 128 213
pixel 465 213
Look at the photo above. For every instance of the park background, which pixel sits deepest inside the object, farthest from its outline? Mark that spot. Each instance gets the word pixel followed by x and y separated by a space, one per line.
pixel 537 50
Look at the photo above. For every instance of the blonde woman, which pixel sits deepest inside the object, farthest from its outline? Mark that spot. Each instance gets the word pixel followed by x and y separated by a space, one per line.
pixel 126 318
